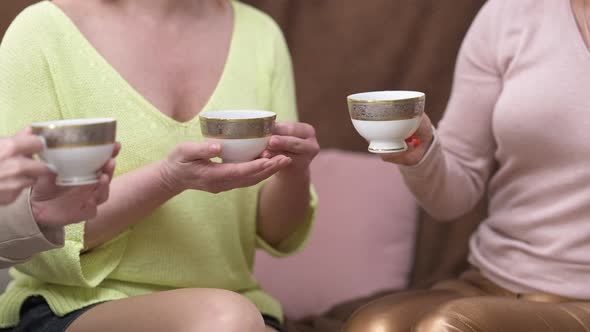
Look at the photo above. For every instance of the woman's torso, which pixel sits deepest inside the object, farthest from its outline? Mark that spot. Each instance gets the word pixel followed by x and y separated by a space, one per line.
pixel 537 236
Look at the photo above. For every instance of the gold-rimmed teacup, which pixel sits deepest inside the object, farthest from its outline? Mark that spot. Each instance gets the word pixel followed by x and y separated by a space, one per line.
pixel 242 134
pixel 77 149
pixel 386 118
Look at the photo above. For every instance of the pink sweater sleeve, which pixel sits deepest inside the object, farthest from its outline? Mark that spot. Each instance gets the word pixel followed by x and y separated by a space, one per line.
pixel 452 177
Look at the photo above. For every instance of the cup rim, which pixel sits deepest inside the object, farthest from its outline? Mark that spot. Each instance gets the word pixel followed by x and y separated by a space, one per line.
pixel 263 115
pixel 357 97
pixel 72 123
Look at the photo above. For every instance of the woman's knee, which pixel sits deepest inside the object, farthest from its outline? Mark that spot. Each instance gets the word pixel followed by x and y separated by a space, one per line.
pixel 221 310
pixel 393 313
pixel 397 312
pixel 453 316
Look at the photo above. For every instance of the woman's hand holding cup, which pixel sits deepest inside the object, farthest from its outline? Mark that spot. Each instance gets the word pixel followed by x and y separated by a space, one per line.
pixel 189 166
pixel 418 145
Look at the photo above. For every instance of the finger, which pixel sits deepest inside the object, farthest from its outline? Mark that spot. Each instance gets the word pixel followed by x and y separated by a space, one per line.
pixel 295 129
pixel 291 144
pixel 235 172
pixel 102 191
pixel 425 129
pixel 20 146
pixel 280 162
pixel 17 184
pixel 416 142
pixel 116 150
pixel 273 154
pixel 191 151
pixel 21 166
pixel 268 154
pixel 46 181
pixel 409 139
pixel 109 168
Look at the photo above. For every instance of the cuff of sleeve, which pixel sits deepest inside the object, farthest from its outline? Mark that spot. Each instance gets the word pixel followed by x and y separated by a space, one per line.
pixel 298 239
pixel 21 236
pixel 428 163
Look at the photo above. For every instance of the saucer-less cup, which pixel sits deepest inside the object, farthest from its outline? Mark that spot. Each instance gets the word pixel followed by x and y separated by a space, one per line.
pixel 386 118
pixel 77 149
pixel 242 134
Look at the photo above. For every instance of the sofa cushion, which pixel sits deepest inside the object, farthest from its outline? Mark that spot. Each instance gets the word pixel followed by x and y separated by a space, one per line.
pixel 362 241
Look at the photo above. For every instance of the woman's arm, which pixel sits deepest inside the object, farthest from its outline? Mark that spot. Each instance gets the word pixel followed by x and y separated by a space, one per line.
pixel 451 176
pixel 136 194
pixel 284 201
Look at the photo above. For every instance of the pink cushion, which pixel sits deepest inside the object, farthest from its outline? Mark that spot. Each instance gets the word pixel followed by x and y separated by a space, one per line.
pixel 362 241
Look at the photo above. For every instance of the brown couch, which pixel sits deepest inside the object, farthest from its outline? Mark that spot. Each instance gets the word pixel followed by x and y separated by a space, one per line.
pixel 345 46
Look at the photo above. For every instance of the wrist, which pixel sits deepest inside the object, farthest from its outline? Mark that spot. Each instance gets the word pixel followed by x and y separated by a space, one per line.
pixel 295 174
pixel 166 179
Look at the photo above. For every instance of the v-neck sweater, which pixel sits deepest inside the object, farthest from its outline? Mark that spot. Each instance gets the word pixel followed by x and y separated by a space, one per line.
pixel 49 71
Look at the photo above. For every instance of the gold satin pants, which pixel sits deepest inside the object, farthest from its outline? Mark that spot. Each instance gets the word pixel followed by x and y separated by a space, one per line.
pixel 471 303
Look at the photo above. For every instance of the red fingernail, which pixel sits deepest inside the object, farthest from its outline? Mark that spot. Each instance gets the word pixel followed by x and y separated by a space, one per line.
pixel 409 139
pixel 417 142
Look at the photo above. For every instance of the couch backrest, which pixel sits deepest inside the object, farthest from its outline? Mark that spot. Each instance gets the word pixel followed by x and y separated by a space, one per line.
pixel 362 242
pixel 4 278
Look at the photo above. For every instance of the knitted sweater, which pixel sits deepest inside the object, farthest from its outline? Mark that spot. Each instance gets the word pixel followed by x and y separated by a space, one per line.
pixel 50 71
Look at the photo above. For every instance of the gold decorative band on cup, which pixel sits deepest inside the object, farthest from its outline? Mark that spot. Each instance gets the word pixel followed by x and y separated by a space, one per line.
pixel 386 110
pixel 270 117
pixel 80 135
pixel 237 128
pixel 393 101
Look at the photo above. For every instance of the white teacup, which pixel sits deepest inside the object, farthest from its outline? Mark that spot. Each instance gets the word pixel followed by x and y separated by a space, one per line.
pixel 386 118
pixel 77 149
pixel 242 134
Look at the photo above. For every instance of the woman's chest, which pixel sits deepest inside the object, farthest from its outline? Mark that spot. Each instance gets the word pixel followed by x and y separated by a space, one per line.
pixel 544 109
pixel 176 67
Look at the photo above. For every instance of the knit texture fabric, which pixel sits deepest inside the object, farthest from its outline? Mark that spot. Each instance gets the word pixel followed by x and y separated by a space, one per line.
pixel 49 71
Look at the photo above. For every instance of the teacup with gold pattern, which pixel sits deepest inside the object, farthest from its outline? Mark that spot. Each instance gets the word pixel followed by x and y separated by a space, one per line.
pixel 242 134
pixel 386 118
pixel 77 149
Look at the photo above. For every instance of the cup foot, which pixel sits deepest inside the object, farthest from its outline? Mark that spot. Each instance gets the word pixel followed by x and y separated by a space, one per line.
pixel 388 147
pixel 76 181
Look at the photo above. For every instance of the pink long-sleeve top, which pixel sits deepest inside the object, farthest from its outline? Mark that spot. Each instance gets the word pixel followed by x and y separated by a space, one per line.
pixel 517 130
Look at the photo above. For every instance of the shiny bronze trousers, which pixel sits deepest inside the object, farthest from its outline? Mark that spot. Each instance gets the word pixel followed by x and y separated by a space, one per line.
pixel 471 303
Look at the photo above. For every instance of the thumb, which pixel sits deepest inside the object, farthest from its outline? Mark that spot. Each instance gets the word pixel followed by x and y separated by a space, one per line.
pixel 191 151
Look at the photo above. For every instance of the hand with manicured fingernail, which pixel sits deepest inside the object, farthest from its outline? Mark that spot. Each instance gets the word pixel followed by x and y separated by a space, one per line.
pixel 416 150
pixel 296 141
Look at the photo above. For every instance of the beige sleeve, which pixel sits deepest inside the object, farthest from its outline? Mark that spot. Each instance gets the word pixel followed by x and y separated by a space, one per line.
pixel 20 235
